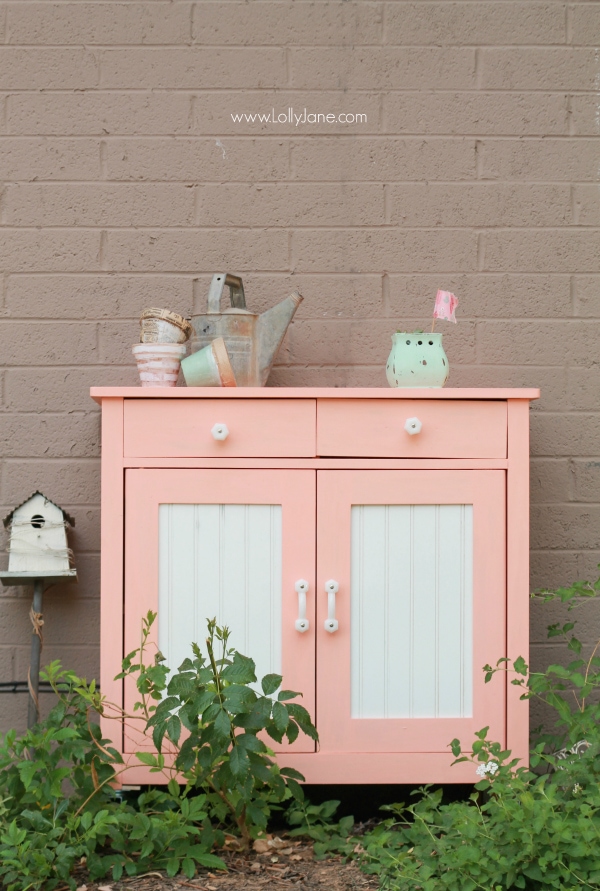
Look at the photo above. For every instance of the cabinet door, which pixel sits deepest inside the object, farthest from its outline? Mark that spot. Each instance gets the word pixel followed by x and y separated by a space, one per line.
pixel 230 544
pixel 419 558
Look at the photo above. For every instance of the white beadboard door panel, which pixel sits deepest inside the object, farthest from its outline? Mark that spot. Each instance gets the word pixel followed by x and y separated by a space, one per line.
pixel 222 561
pixel 411 613
pixel 229 544
pixel 419 558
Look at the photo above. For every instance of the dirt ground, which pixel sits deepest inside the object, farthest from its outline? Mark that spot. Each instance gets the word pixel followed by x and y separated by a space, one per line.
pixel 285 864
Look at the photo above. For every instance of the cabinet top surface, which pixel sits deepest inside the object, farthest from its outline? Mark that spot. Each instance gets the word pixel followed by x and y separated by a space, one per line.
pixel 100 393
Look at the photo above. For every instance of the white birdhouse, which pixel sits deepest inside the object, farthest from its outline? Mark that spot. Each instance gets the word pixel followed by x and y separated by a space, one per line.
pixel 38 537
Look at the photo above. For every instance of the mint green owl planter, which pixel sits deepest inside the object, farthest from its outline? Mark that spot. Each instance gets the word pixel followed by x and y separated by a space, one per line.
pixel 417 360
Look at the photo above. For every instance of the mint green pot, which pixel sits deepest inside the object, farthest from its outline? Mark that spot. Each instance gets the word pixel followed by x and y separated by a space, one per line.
pixel 417 360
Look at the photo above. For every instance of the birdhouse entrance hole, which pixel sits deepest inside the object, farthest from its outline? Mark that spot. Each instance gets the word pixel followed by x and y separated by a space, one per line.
pixel 38 521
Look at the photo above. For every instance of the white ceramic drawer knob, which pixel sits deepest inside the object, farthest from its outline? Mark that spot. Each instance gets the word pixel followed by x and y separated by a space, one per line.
pixel 412 426
pixel 220 431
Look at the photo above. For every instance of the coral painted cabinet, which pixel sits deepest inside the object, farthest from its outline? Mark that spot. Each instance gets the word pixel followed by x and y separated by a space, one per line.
pixel 377 568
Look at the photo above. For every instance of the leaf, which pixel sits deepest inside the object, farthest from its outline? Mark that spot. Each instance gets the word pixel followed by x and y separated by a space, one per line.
pixel 146 758
pixel 292 773
pixel 287 694
pixel 222 724
pixel 258 716
pixel 575 645
pixel 261 768
pixel 172 867
pixel 64 733
pixel 166 707
pixel 27 771
pixel 299 713
pixel 281 717
pixel 211 712
pixel 292 732
pixel 173 788
pixel 296 789
pixel 173 727
pixel 210 861
pixel 455 746
pixel 201 702
pixel 520 666
pixel 14 836
pixel 273 732
pixel 188 867
pixel 257 816
pixel 250 742
pixel 270 683
pixel 186 756
pixel 238 761
pixel 240 671
pixel 158 734
pixel 239 699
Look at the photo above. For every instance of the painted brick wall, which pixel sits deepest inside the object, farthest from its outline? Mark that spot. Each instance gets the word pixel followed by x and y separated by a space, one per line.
pixel 126 183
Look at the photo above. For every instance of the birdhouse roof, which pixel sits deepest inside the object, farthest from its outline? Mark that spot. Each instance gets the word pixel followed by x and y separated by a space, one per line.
pixel 9 516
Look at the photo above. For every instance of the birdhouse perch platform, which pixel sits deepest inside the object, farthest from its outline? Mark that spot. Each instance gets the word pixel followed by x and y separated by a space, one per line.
pixel 28 578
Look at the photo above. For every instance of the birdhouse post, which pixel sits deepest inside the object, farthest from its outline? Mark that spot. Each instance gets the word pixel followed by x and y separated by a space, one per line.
pixel 38 555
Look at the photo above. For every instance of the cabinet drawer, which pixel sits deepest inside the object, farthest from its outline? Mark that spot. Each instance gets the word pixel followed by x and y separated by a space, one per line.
pixel 375 428
pixel 182 428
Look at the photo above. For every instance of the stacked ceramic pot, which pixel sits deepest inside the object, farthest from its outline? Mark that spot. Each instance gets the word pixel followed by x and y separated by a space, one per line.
pixel 162 346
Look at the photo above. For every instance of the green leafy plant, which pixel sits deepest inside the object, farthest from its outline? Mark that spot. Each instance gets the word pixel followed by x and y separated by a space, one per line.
pixel 316 821
pixel 57 804
pixel 212 699
pixel 531 828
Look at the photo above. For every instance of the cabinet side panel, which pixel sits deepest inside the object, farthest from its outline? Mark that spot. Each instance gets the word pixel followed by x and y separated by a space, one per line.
pixel 517 642
pixel 111 563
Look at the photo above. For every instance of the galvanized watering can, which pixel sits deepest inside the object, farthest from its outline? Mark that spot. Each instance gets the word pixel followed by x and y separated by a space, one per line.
pixel 252 340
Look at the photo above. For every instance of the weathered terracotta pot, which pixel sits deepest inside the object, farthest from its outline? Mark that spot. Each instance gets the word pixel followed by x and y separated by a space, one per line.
pixel 209 367
pixel 158 363
pixel 163 326
pixel 417 360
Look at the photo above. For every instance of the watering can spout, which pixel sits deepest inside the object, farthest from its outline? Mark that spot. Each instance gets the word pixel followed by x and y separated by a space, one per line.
pixel 272 326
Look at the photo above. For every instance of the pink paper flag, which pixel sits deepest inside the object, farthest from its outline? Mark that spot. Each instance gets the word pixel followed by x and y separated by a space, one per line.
pixel 445 306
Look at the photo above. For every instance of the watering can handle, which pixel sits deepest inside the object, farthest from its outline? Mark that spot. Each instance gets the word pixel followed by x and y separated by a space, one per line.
pixel 236 291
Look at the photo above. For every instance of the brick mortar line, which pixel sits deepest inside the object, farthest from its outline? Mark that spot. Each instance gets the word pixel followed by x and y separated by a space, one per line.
pixel 279 183
pixel 350 44
pixel 197 137
pixel 275 92
pixel 540 551
pixel 285 274
pixel 46 460
pixel 207 137
pixel 384 226
pixel 218 134
pixel 257 227
pixel 374 3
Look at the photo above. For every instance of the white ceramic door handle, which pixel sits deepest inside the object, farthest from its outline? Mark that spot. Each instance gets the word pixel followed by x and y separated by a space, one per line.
pixel 220 431
pixel 331 623
pixel 412 426
pixel 301 624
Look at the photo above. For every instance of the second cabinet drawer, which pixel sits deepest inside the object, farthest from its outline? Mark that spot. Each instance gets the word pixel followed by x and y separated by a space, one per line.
pixel 374 428
pixel 183 428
